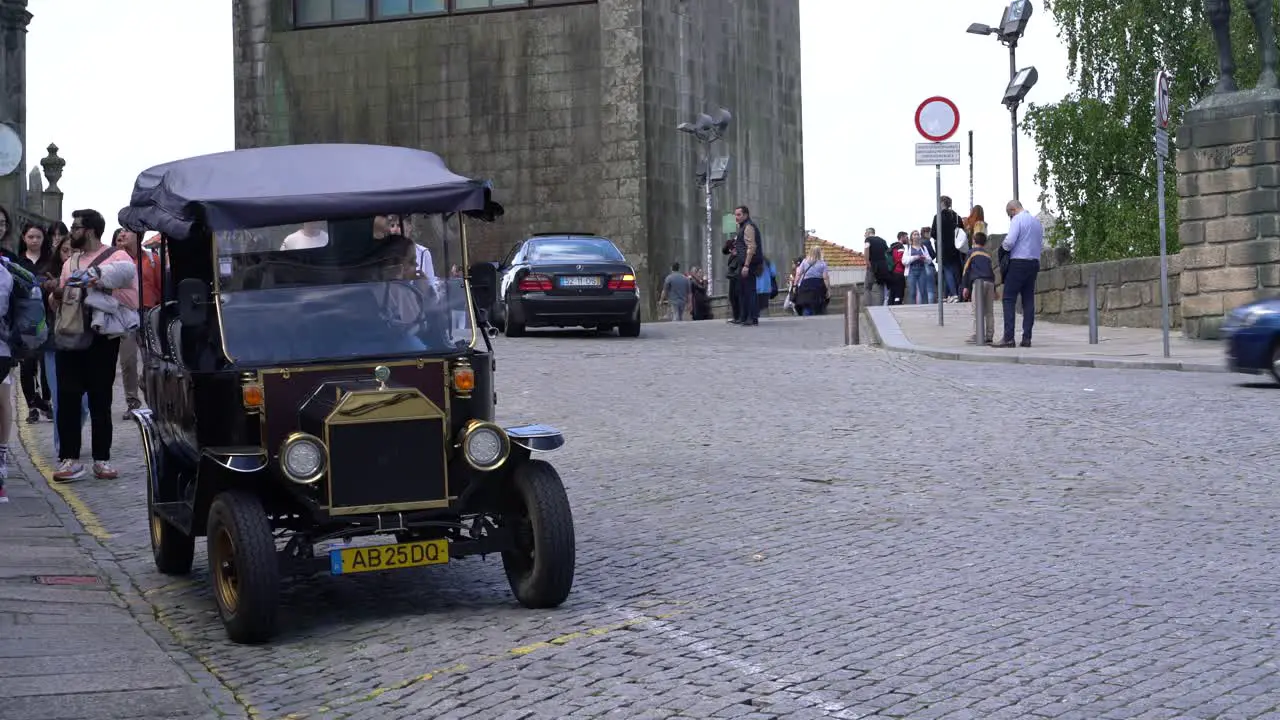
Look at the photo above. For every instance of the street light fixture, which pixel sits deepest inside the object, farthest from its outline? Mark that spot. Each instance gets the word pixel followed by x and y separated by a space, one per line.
pixel 1013 23
pixel 1020 86
pixel 707 129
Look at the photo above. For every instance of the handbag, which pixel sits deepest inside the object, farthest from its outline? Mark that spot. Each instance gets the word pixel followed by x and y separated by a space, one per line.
pixel 962 240
pixel 73 328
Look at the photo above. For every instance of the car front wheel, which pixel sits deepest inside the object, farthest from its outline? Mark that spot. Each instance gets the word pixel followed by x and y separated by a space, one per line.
pixel 1275 361
pixel 243 567
pixel 540 566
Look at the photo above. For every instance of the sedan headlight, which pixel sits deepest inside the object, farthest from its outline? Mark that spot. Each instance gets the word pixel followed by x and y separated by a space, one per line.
pixel 1253 315
pixel 303 458
pixel 485 445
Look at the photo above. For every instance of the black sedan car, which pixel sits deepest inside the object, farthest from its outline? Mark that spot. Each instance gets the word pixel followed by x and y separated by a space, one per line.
pixel 567 280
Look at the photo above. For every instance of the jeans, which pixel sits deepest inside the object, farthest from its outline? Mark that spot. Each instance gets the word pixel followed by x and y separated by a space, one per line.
pixel 677 310
pixel 931 283
pixel 747 310
pixel 90 371
pixel 951 279
pixel 877 293
pixel 51 371
pixel 28 371
pixel 1020 283
pixel 918 286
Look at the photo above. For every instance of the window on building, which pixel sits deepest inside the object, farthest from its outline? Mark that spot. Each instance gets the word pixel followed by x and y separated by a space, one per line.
pixel 405 8
pixel 329 12
pixel 483 4
pixel 315 12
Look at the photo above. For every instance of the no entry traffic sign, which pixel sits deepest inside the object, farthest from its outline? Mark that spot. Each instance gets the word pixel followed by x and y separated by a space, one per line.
pixel 1162 99
pixel 937 119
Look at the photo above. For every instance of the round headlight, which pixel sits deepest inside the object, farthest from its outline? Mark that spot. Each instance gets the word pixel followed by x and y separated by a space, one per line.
pixel 485 447
pixel 302 458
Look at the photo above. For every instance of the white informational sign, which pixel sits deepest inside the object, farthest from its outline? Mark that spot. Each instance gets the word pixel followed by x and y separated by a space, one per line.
pixel 941 153
pixel 10 149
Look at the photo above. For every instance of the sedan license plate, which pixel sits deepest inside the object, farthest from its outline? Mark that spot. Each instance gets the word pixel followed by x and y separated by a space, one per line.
pixel 388 557
pixel 580 281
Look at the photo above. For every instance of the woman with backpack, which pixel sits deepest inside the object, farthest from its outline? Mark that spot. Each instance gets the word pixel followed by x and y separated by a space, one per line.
pixel 49 281
pixel 812 283
pixel 35 249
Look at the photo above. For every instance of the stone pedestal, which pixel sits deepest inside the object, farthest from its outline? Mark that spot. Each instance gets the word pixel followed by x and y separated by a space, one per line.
pixel 1229 198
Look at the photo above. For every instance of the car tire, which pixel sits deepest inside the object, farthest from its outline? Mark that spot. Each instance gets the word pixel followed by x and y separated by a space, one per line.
pixel 629 329
pixel 243 567
pixel 512 329
pixel 541 565
pixel 173 550
pixel 1275 360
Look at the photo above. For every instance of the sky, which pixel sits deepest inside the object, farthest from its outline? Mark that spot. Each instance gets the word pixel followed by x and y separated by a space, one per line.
pixel 866 68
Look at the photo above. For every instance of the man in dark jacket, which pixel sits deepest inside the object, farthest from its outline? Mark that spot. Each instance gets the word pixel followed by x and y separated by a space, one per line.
pixel 734 266
pixel 879 272
pixel 979 278
pixel 747 247
pixel 952 259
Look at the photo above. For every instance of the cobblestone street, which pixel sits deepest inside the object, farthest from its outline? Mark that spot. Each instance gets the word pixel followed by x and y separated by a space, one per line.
pixel 771 525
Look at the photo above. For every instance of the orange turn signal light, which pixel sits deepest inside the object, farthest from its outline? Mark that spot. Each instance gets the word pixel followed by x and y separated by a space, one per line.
pixel 252 395
pixel 464 379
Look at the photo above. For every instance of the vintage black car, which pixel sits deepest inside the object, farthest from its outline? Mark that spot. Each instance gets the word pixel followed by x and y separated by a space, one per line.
pixel 567 280
pixel 321 400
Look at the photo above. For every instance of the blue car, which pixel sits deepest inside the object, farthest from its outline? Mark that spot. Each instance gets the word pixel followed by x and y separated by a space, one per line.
pixel 1252 334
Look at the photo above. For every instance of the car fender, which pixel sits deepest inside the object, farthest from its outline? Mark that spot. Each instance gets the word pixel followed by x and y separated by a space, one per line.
pixel 535 438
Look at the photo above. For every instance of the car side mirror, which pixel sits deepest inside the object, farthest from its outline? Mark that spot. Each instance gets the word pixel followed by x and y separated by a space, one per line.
pixel 193 303
pixel 483 278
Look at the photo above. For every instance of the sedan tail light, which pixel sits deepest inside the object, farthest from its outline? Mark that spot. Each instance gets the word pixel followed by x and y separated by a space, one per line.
pixel 622 282
pixel 535 282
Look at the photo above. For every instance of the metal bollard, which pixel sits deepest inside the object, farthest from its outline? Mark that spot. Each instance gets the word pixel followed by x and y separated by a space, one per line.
pixel 980 310
pixel 852 311
pixel 1093 308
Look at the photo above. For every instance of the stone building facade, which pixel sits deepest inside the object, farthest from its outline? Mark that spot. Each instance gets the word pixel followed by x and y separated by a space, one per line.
pixel 570 107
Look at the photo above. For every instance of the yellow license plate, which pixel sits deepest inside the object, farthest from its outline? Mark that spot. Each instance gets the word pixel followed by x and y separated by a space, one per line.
pixel 388 557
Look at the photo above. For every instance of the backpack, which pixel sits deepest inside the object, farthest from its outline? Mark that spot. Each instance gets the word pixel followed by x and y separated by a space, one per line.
pixel 28 329
pixel 773 285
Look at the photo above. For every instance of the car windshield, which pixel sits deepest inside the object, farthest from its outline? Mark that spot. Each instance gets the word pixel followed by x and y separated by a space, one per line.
pixel 335 290
pixel 573 249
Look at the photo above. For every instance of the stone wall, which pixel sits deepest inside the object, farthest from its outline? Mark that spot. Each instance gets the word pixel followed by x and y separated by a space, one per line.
pixel 569 109
pixel 1128 290
pixel 1229 197
pixel 743 55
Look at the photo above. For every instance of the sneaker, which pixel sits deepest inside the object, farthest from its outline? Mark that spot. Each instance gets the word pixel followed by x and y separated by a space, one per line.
pixel 33 417
pixel 103 470
pixel 4 462
pixel 3 497
pixel 69 470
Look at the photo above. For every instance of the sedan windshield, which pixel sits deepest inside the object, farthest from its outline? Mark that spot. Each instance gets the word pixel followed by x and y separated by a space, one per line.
pixel 342 290
pixel 573 249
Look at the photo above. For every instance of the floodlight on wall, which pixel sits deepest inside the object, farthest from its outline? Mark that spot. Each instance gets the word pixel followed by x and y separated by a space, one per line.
pixel 687 128
pixel 719 169
pixel 722 119
pixel 1020 85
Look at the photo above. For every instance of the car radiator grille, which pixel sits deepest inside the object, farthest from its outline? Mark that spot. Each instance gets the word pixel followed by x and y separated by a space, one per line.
pixel 387 463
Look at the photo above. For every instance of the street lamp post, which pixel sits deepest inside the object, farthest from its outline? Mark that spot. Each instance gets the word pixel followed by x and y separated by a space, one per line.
pixel 1012 25
pixel 707 130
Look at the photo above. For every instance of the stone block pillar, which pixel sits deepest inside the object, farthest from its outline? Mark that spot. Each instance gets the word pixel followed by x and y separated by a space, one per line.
pixel 1228 208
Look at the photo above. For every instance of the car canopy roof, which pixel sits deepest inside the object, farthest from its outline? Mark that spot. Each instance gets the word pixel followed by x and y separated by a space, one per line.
pixel 261 187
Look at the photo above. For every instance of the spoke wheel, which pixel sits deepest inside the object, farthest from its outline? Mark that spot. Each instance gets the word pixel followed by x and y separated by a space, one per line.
pixel 173 550
pixel 540 565
pixel 243 567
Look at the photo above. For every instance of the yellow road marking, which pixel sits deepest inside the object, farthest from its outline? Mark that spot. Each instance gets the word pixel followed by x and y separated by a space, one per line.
pixel 511 653
pixel 87 517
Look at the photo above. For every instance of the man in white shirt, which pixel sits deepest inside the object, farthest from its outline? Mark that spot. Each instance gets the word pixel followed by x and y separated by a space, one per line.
pixel 1024 243
pixel 312 235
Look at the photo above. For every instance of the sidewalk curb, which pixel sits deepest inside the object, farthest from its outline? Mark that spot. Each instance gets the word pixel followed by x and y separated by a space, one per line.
pixel 889 336
pixel 91 536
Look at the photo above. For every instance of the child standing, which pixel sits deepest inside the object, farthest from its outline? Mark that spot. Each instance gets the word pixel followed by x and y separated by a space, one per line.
pixel 980 277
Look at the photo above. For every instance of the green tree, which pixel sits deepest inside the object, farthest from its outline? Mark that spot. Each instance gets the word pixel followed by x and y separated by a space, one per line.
pixel 1097 159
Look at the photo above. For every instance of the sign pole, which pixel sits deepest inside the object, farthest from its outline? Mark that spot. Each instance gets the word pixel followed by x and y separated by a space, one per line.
pixel 937 242
pixel 937 119
pixel 1162 153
